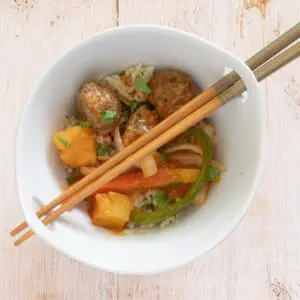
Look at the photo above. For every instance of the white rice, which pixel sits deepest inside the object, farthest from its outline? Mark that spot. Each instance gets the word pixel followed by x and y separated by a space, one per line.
pixel 145 199
pixel 147 225
pixel 71 121
pixel 167 222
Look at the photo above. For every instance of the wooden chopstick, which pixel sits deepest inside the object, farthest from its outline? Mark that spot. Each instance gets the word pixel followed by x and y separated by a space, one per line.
pixel 238 88
pixel 256 60
pixel 262 56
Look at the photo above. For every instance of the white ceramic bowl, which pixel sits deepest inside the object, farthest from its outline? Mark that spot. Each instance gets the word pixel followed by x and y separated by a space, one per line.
pixel 239 131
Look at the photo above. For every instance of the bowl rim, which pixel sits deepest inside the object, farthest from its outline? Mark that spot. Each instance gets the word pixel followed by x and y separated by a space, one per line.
pixel 40 230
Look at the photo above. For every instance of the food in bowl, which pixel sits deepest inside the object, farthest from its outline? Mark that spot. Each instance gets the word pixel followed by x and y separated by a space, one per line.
pixel 113 112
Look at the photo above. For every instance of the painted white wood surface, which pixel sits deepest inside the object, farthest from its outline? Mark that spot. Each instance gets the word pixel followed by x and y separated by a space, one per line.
pixel 266 245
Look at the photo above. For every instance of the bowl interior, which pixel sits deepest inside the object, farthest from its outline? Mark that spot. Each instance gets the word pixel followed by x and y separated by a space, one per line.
pixel 40 174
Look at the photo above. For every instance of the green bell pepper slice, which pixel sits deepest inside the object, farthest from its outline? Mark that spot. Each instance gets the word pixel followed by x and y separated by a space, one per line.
pixel 140 216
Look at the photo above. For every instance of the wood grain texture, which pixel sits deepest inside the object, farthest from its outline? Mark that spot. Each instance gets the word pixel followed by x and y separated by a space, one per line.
pixel 263 249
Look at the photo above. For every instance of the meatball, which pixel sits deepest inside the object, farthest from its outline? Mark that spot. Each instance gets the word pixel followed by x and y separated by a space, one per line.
pixel 139 123
pixel 171 89
pixel 99 105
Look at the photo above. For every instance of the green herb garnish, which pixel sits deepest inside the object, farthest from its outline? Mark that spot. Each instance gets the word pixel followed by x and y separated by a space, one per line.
pixel 86 124
pixel 134 106
pixel 161 198
pixel 140 84
pixel 175 184
pixel 213 173
pixel 104 149
pixel 107 116
pixel 70 180
pixel 164 155
pixel 64 142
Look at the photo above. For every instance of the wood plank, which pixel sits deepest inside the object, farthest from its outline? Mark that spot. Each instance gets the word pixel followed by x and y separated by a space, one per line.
pixel 267 238
pixel 31 36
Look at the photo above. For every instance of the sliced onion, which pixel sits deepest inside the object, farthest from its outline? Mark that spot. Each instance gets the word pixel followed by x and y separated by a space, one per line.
pixel 189 147
pixel 148 165
pixel 186 159
pixel 118 140
pixel 191 159
pixel 119 143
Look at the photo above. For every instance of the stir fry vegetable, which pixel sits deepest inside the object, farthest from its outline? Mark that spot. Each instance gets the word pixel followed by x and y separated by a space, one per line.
pixel 110 210
pixel 76 145
pixel 142 217
pixel 113 112
pixel 136 181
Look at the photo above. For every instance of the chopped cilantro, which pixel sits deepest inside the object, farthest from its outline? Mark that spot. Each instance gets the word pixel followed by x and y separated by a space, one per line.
pixel 140 84
pixel 213 173
pixel 103 149
pixel 64 142
pixel 107 116
pixel 70 180
pixel 86 124
pixel 134 106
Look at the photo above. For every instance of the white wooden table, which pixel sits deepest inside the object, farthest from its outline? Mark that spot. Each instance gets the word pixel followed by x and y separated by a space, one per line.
pixel 263 253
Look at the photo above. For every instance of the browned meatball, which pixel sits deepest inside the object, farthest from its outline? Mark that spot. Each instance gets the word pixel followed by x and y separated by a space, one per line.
pixel 99 105
pixel 139 123
pixel 171 89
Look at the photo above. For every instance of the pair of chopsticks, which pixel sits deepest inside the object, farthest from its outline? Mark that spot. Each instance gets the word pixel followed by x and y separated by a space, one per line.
pixel 264 63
